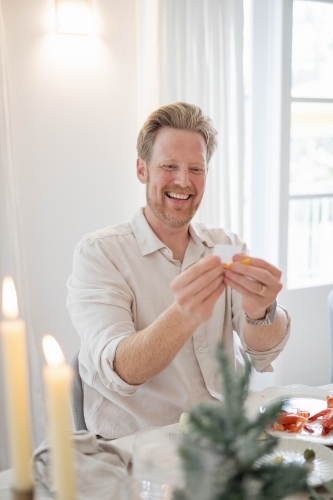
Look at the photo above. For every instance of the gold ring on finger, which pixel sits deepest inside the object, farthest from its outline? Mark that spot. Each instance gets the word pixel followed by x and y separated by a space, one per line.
pixel 262 291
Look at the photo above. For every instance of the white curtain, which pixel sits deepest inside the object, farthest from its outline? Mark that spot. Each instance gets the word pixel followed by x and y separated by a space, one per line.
pixel 13 261
pixel 192 50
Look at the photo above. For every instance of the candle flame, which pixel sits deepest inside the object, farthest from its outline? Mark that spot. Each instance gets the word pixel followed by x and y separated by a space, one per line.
pixel 9 299
pixel 52 351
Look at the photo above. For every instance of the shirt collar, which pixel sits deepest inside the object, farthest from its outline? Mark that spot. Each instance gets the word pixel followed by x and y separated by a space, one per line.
pixel 199 234
pixel 148 241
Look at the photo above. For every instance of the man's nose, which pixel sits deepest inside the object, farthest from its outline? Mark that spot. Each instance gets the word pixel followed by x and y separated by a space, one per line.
pixel 182 177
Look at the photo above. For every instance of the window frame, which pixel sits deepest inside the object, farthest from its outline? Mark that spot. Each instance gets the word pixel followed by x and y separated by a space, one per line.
pixel 287 101
pixel 269 131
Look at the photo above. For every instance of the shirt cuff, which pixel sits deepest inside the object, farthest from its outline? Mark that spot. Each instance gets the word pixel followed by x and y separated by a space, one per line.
pixel 262 360
pixel 110 378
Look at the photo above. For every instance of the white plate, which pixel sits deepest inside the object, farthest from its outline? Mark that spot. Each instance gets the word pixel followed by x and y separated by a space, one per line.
pixel 312 399
pixel 292 450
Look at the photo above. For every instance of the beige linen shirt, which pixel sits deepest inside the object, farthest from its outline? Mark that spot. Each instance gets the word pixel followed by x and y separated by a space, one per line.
pixel 119 285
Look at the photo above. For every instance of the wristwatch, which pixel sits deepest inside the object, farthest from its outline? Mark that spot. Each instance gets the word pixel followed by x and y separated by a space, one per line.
pixel 267 319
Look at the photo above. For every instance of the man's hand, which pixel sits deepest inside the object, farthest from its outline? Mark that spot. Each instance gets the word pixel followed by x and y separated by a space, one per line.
pixel 147 352
pixel 258 283
pixel 198 288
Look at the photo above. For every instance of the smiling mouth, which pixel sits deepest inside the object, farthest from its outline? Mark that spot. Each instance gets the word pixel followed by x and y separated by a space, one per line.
pixel 178 196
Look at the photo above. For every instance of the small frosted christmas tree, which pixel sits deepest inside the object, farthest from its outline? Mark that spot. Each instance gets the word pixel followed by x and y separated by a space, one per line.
pixel 222 444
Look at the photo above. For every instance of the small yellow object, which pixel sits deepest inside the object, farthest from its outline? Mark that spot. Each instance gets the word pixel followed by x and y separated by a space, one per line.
pixel 243 261
pixel 278 459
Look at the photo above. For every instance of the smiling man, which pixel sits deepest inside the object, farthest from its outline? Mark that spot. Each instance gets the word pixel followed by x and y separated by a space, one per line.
pixel 150 300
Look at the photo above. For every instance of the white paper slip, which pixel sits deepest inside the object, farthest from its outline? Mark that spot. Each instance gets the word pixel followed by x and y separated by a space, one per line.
pixel 226 252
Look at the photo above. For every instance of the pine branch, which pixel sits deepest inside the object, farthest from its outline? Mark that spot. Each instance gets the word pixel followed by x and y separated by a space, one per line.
pixel 220 451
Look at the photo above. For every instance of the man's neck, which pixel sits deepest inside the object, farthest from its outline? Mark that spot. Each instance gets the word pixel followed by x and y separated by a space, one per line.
pixel 176 239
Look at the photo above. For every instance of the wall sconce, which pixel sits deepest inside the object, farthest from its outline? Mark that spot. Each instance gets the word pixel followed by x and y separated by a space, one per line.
pixel 74 17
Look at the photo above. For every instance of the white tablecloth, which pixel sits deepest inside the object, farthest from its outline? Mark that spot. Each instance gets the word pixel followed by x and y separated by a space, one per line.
pixel 41 494
pixel 123 443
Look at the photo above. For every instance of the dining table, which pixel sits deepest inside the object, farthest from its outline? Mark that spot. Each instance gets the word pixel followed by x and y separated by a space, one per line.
pixel 126 444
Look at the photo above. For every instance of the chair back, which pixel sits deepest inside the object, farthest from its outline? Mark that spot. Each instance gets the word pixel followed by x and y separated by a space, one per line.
pixel 77 396
pixel 330 311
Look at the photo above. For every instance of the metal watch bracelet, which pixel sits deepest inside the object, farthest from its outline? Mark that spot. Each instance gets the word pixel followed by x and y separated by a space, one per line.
pixel 267 319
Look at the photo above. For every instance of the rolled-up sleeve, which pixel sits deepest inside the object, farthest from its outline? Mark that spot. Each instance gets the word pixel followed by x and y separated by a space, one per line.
pixel 100 304
pixel 261 360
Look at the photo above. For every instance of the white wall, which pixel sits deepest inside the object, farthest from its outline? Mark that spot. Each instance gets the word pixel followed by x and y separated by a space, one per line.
pixel 74 123
pixel 307 358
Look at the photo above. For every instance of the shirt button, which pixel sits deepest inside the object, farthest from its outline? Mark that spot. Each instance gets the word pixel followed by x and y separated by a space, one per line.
pixel 165 251
pixel 200 349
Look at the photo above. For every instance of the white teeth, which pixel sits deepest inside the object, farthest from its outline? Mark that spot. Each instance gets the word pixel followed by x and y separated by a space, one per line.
pixel 179 196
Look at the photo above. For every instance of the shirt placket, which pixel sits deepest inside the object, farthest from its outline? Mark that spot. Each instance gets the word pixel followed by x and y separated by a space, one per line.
pixel 207 365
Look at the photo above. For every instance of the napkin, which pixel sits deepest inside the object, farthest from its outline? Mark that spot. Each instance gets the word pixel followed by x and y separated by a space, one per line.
pixel 100 467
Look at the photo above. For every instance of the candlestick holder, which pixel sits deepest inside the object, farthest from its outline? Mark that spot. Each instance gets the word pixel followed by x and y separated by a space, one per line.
pixel 22 495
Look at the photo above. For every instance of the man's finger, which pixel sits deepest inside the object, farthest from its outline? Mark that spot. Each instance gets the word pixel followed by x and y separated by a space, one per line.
pixel 254 263
pixel 190 300
pixel 210 301
pixel 202 304
pixel 201 283
pixel 192 273
pixel 252 275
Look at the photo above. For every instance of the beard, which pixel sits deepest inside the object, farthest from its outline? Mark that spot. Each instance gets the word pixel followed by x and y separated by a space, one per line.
pixel 175 217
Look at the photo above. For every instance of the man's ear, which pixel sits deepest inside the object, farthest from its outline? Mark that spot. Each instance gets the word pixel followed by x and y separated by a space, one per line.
pixel 141 170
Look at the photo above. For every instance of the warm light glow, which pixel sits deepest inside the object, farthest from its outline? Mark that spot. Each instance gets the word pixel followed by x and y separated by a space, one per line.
pixel 52 351
pixel 9 299
pixel 74 17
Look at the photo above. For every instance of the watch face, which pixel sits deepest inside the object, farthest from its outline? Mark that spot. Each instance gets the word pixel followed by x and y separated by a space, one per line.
pixel 272 313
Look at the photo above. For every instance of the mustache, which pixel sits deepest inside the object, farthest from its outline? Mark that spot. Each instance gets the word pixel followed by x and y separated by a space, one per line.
pixel 176 189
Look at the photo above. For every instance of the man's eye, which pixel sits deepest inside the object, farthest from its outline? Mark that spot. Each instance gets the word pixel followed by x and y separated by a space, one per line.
pixel 197 170
pixel 170 168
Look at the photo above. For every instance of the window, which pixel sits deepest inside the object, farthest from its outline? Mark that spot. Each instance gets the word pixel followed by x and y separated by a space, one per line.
pixel 310 234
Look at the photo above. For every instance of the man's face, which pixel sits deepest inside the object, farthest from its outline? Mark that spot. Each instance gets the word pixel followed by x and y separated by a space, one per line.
pixel 175 177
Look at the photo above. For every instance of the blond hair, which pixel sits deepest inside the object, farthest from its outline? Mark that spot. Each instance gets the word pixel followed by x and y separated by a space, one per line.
pixel 179 115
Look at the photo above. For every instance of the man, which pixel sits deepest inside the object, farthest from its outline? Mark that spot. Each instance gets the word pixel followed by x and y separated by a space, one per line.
pixel 150 300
